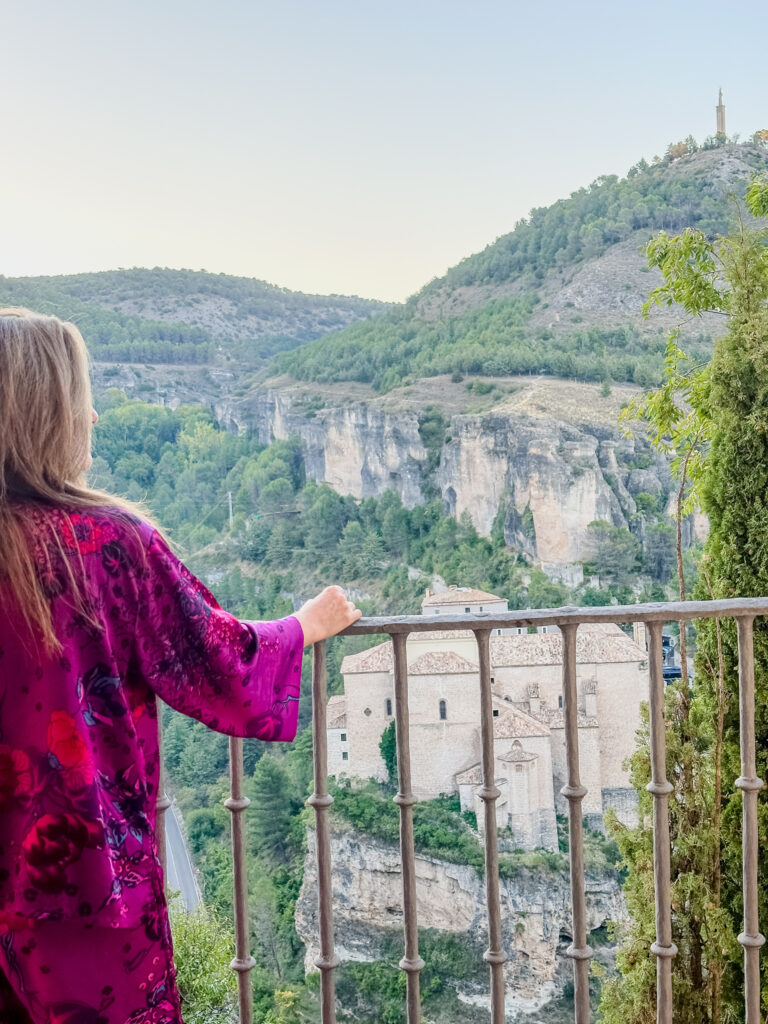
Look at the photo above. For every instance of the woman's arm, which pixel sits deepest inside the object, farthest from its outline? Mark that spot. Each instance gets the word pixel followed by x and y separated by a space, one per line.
pixel 239 678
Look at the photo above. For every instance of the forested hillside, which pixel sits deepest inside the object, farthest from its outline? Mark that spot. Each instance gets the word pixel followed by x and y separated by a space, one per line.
pixel 561 294
pixel 184 316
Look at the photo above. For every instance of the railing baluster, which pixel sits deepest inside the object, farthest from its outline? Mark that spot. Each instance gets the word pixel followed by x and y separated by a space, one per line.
pixel 750 785
pixel 411 963
pixel 237 803
pixel 578 950
pixel 494 955
pixel 163 803
pixel 663 948
pixel 321 800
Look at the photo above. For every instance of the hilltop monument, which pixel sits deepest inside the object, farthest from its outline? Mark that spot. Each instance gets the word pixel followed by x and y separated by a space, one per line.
pixel 720 109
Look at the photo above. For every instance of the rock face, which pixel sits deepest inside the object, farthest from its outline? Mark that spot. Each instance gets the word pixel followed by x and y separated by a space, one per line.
pixel 550 478
pixel 550 469
pixel 547 476
pixel 358 448
pixel 535 909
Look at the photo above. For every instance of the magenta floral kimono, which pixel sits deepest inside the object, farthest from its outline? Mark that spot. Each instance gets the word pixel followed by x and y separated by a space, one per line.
pixel 79 759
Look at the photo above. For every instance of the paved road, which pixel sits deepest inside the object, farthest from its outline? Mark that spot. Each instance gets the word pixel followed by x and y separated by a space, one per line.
pixel 181 876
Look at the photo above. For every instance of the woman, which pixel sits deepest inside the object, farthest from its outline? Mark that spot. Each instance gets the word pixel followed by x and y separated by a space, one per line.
pixel 97 619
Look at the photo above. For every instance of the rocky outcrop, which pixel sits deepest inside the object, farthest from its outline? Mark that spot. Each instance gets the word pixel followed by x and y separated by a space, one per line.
pixel 549 478
pixel 535 908
pixel 548 470
pixel 358 449
pixel 545 475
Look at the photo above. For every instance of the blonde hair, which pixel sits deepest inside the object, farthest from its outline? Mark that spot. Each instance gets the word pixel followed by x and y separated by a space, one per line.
pixel 45 443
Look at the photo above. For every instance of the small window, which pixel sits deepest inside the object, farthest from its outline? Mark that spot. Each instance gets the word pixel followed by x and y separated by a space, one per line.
pixel 389 708
pixel 343 737
pixel 437 611
pixel 498 632
pixel 560 701
pixel 493 680
pixel 481 607
pixel 344 755
pixel 367 712
pixel 443 711
pixel 495 712
pixel 518 768
pixel 466 611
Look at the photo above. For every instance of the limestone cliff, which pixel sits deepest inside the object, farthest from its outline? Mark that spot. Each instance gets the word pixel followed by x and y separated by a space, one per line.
pixel 535 907
pixel 550 469
pixel 545 453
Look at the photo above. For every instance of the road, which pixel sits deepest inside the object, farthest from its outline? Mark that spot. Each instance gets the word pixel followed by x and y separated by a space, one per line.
pixel 181 875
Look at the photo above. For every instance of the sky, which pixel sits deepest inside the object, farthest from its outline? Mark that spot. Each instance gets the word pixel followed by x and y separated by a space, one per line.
pixel 340 146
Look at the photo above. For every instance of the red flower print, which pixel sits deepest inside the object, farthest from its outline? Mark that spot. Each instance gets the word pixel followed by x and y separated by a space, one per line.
pixel 54 842
pixel 10 921
pixel 15 775
pixel 70 750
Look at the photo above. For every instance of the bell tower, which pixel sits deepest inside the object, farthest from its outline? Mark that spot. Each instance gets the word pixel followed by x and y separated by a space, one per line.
pixel 720 108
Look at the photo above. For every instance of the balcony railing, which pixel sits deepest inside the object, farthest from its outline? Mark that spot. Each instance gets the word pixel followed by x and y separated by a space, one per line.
pixel 568 620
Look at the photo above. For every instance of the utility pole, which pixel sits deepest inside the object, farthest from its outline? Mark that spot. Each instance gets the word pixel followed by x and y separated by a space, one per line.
pixel 229 499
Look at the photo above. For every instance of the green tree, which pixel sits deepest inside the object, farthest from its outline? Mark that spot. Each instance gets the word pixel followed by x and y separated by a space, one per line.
pixel 274 803
pixel 613 551
pixel 388 749
pixel 711 420
pixel 202 951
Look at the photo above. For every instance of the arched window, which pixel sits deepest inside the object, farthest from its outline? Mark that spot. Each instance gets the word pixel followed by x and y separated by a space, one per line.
pixel 389 708
pixel 443 711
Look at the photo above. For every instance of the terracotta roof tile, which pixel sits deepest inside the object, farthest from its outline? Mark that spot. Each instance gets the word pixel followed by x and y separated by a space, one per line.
pixel 437 663
pixel 595 644
pixel 336 714
pixel 459 595
pixel 512 722
pixel 375 659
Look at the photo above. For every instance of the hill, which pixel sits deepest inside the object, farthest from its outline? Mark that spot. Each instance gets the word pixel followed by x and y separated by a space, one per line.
pixel 561 294
pixel 185 316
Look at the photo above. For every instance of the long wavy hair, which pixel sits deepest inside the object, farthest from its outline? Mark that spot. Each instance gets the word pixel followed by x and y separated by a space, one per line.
pixel 45 445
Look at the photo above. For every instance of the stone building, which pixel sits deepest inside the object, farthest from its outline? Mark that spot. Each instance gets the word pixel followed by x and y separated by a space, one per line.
pixel 529 729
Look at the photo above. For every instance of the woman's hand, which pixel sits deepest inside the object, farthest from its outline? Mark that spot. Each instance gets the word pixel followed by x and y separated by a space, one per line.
pixel 326 615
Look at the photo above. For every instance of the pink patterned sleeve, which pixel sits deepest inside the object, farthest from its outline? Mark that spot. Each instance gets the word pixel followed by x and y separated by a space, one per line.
pixel 239 678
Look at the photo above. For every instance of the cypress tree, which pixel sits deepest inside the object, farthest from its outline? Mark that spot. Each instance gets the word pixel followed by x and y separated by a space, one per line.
pixel 714 423
pixel 735 497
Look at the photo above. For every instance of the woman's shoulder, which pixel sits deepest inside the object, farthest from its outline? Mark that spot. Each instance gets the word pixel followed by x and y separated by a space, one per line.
pixel 93 529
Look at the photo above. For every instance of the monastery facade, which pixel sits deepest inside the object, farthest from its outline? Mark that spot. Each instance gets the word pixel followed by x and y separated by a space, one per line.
pixel 529 729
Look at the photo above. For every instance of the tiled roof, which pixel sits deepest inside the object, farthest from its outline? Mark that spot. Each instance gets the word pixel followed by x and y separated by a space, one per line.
pixel 517 755
pixel 336 715
pixel 459 595
pixel 437 663
pixel 512 722
pixel 598 643
pixel 470 776
pixel 375 659
pixel 595 644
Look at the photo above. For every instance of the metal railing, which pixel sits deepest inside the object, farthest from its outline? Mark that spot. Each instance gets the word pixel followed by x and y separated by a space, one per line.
pixel 568 620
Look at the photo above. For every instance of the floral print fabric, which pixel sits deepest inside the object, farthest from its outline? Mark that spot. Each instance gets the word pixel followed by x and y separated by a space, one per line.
pixel 78 733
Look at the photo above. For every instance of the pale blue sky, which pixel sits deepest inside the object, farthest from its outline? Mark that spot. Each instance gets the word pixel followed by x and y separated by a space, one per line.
pixel 339 146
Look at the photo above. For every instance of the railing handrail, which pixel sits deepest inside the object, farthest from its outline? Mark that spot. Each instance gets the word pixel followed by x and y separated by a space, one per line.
pixel 658 612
